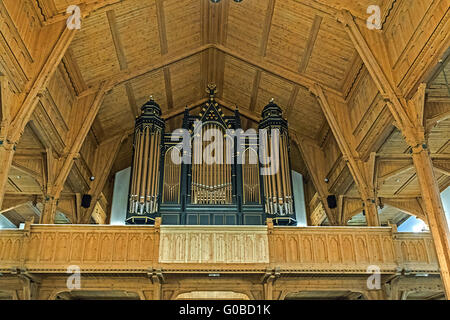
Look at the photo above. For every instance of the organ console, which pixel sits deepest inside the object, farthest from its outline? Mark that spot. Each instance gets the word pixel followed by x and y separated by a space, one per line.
pixel 227 176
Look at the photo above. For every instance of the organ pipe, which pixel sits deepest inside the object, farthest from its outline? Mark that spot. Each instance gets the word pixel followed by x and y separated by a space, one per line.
pixel 211 183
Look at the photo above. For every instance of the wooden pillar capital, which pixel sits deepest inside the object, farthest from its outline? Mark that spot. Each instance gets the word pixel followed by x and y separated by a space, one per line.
pixel 49 211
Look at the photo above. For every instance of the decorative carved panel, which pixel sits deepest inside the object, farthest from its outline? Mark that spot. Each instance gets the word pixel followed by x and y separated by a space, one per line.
pixel 213 245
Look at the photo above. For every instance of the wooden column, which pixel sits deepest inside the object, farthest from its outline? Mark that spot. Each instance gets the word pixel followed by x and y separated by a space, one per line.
pixel 375 295
pixel 6 147
pixel 49 211
pixel 6 156
pixel 435 212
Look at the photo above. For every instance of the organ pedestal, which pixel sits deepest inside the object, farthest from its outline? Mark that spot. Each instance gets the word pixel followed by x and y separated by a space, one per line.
pixel 227 176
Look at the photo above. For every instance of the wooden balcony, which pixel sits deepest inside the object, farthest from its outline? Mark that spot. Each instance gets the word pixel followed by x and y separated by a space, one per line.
pixel 175 249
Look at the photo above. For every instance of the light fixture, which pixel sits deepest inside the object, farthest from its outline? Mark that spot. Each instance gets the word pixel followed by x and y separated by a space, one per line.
pixel 214 275
pixel 92 178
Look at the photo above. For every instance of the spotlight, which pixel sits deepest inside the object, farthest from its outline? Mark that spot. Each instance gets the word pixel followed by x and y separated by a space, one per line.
pixel 92 178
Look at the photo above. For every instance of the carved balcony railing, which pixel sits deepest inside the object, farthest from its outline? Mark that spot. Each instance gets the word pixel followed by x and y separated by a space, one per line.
pixel 123 249
pixel 350 250
pixel 416 252
pixel 52 248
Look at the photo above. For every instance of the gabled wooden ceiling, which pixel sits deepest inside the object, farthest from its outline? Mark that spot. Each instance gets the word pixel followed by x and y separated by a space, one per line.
pixel 297 36
pixel 256 44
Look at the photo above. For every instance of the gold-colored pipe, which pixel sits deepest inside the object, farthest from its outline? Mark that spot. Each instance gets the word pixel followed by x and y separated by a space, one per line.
pixel 282 170
pixel 150 173
pixel 153 171
pixel 265 179
pixel 194 170
pixel 139 166
pixel 288 176
pixel 197 171
pixel 269 177
pixel 135 167
pixel 155 194
pixel 288 171
pixel 278 174
pixel 274 193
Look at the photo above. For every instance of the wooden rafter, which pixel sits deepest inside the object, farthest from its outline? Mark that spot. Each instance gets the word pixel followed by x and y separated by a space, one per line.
pixel 40 82
pixel 267 27
pixel 105 156
pixel 311 43
pixel 64 164
pixel 123 64
pixel 363 173
pixel 279 71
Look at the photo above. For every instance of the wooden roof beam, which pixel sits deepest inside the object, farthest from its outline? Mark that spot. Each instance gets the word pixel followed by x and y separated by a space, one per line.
pixel 279 71
pixel 39 83
pixel 362 172
pixel 105 156
pixel 159 63
pixel 85 8
pixel 267 27
pixel 310 44
pixel 123 64
pixel 63 165
pixel 411 206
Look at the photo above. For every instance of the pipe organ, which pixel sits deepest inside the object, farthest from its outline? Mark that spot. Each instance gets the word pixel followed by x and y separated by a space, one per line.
pixel 144 188
pixel 275 146
pixel 210 172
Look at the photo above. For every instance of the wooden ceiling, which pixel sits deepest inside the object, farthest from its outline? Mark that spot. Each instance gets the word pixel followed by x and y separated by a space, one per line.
pixel 253 51
pixel 294 36
pixel 256 44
